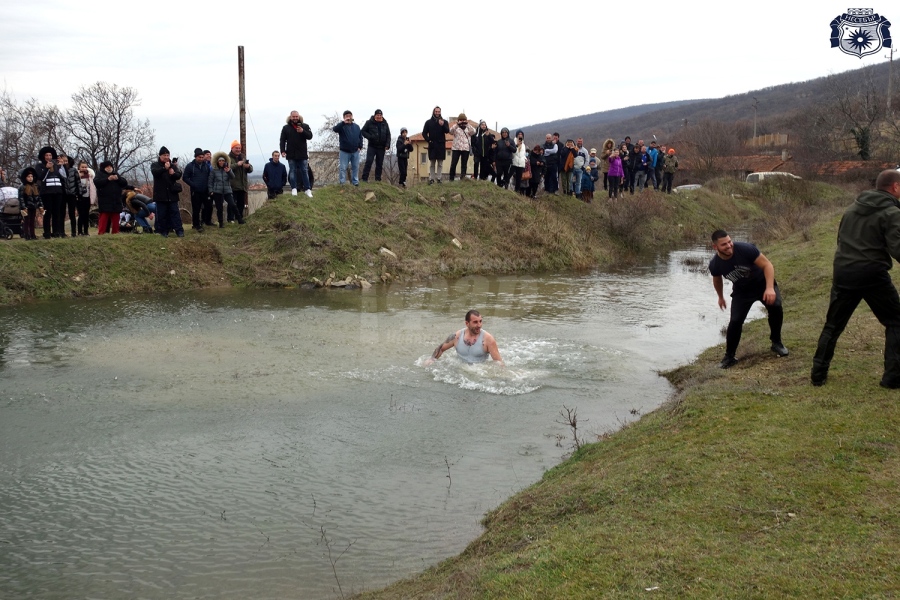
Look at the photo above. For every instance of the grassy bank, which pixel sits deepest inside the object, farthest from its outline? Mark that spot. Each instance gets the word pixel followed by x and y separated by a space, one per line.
pixel 291 241
pixel 750 483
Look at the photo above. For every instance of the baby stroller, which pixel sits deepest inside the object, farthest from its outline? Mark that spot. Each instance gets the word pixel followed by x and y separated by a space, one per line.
pixel 10 213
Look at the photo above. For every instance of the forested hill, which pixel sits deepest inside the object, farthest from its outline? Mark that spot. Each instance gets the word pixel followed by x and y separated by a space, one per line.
pixel 777 109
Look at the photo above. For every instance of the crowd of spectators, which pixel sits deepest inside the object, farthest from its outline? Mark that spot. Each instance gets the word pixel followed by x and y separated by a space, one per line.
pixel 56 185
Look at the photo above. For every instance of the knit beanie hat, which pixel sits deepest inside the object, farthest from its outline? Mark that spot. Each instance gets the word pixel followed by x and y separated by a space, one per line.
pixel 235 143
pixel 163 150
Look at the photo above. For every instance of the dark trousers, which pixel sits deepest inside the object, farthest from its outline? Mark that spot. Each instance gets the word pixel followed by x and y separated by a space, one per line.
pixel 551 179
pixel 881 296
pixel 459 154
pixel 614 189
pixel 534 184
pixel 376 154
pixel 54 215
pixel 228 199
pixel 199 203
pixel 236 212
pixel 741 302
pixel 503 173
pixel 84 214
pixel 28 224
pixel 272 193
pixel 402 167
pixel 517 179
pixel 658 177
pixel 168 218
pixel 483 166
pixel 629 180
pixel 667 182
pixel 71 201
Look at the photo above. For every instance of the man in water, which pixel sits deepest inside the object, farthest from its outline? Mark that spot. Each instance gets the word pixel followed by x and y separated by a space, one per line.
pixel 752 278
pixel 473 344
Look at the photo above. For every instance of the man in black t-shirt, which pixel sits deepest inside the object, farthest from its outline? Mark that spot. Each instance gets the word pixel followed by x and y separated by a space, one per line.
pixel 752 277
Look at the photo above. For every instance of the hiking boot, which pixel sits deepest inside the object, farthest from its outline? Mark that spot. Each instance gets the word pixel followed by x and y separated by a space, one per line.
pixel 779 349
pixel 727 362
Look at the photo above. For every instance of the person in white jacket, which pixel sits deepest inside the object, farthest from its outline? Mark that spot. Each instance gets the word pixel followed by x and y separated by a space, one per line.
pixel 461 131
pixel 518 160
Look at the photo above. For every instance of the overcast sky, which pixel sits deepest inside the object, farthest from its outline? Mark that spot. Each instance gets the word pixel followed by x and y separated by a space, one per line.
pixel 499 61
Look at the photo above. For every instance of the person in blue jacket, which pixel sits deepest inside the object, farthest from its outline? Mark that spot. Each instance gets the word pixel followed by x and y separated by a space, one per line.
pixel 275 175
pixel 350 142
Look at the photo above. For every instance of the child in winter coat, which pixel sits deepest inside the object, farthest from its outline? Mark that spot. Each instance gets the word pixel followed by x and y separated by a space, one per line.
pixel 616 174
pixel 109 196
pixel 587 186
pixel 30 200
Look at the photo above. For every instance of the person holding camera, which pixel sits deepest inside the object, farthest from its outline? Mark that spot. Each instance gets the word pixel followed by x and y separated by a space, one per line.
pixel 292 144
pixel 53 192
pixel 350 143
pixel 461 132
pixel 166 189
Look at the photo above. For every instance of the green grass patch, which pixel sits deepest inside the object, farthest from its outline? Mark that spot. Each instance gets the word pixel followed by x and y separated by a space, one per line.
pixel 749 483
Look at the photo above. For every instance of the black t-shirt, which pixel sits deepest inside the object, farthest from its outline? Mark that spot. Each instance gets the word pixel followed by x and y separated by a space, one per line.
pixel 740 269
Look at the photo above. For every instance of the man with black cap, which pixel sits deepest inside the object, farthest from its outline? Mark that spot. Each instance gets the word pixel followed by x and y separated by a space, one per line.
pixel 196 175
pixel 378 133
pixel 404 147
pixel 165 193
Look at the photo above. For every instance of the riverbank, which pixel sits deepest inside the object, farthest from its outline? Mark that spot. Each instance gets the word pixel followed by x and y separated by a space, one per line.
pixel 749 483
pixel 294 241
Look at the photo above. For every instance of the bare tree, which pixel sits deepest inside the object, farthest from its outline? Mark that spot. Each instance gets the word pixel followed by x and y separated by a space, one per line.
pixel 707 142
pixel 326 145
pixel 24 128
pixel 859 109
pixel 103 127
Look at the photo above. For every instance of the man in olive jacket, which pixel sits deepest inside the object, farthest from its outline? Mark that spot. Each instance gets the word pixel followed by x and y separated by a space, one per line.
pixel 868 240
pixel 239 185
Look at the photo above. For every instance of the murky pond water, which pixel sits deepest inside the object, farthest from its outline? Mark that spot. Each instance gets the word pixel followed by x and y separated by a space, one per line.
pixel 273 444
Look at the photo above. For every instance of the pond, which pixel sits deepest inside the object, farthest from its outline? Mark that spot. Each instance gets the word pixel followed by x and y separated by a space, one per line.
pixel 288 443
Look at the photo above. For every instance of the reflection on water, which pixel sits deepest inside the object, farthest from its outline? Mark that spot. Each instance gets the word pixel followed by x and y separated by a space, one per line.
pixel 224 444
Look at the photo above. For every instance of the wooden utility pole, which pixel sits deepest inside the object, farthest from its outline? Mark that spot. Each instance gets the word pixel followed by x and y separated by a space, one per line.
pixel 243 103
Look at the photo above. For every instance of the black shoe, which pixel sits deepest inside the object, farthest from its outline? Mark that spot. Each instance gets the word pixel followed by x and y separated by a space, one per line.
pixel 199 228
pixel 430 181
pixel 779 349
pixel 818 381
pixel 438 180
pixel 727 362
pixel 891 385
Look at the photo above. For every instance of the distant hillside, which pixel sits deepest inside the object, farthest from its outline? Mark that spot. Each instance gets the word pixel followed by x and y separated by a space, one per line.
pixel 775 109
